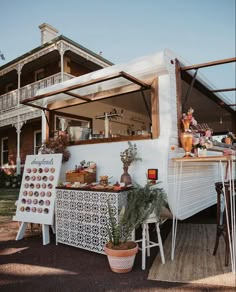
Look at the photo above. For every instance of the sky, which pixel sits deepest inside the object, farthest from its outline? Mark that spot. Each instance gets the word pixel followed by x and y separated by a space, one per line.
pixel 198 31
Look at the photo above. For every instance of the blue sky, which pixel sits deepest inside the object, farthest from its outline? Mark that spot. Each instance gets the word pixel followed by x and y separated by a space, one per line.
pixel 197 30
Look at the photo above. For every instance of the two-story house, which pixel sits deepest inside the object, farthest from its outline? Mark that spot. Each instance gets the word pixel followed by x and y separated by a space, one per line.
pixel 57 59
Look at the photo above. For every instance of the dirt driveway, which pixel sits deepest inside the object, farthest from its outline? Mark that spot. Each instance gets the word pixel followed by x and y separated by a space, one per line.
pixel 27 265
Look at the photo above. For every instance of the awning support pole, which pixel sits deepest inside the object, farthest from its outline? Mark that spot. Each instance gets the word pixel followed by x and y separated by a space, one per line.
pixel 146 105
pixel 189 89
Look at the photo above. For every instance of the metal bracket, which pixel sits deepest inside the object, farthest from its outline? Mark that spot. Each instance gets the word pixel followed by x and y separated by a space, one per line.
pixel 190 88
pixel 146 105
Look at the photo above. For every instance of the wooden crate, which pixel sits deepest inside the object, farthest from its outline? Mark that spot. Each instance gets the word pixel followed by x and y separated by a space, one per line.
pixel 86 177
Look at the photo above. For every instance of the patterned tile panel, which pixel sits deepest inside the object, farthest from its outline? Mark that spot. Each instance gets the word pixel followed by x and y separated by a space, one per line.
pixel 81 217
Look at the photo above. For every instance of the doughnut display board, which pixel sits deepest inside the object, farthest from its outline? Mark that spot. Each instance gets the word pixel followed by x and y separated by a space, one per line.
pixel 37 193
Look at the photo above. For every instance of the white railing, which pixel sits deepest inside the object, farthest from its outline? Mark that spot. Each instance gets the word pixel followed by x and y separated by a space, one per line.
pixel 8 101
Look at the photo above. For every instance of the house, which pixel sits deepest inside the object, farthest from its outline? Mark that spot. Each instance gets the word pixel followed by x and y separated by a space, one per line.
pixel 57 59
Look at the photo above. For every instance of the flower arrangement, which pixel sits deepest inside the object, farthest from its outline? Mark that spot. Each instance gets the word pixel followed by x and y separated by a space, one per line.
pixel 129 155
pixel 203 140
pixel 56 145
pixel 188 120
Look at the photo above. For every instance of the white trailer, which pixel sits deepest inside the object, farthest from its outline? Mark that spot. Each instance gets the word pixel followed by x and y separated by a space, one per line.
pixel 153 84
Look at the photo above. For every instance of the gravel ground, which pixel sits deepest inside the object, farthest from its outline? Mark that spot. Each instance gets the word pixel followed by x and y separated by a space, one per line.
pixel 27 265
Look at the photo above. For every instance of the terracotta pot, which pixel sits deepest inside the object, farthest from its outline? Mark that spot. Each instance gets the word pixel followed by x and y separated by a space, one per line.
pixel 126 178
pixel 186 139
pixel 121 261
pixel 228 140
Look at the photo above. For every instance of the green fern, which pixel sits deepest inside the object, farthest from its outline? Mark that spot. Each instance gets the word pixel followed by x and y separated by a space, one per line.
pixel 141 202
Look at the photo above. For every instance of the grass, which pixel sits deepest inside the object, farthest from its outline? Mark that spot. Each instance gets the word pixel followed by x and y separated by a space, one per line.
pixel 8 198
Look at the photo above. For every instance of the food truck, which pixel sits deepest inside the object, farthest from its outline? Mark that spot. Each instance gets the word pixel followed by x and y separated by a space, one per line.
pixel 141 101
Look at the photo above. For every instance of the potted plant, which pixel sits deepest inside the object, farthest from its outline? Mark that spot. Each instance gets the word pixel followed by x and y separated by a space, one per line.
pixel 141 203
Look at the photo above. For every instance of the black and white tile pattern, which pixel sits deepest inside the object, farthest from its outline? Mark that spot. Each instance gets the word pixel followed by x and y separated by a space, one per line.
pixel 81 217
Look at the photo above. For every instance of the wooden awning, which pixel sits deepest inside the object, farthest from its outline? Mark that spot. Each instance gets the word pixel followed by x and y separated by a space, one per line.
pixel 88 91
pixel 230 106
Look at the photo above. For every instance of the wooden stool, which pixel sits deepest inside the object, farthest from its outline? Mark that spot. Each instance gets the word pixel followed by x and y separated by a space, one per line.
pixel 147 243
pixel 221 220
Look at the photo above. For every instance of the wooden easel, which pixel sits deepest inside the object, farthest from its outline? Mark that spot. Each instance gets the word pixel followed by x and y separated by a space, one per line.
pixel 45 230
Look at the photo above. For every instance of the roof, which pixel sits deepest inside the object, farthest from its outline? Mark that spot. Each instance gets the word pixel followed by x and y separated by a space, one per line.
pixel 59 38
pixel 136 74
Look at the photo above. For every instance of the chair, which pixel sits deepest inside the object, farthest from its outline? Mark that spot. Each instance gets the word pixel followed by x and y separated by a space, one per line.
pixel 146 242
pixel 221 221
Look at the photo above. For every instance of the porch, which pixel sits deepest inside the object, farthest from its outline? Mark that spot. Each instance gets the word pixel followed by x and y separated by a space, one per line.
pixel 9 101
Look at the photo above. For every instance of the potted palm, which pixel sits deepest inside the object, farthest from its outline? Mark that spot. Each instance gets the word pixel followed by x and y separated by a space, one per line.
pixel 141 202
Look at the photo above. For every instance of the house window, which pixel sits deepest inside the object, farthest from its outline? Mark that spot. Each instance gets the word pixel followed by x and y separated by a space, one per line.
pixel 37 141
pixel 4 152
pixel 39 74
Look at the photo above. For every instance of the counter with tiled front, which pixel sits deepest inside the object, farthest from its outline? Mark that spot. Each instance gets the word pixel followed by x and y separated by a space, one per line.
pixel 81 216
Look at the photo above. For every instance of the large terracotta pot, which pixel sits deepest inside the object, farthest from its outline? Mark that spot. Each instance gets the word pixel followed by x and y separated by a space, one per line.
pixel 186 139
pixel 121 261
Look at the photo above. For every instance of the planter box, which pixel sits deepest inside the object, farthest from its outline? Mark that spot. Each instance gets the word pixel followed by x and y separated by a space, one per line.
pixel 86 177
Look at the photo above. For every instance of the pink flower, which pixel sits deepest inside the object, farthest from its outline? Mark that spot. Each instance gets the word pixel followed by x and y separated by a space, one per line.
pixel 208 133
pixel 188 119
pixel 229 152
pixel 201 141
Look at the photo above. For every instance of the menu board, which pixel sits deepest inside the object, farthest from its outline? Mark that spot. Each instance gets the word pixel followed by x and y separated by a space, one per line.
pixel 37 193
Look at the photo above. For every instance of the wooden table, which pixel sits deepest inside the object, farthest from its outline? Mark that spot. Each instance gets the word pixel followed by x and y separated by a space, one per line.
pixel 227 173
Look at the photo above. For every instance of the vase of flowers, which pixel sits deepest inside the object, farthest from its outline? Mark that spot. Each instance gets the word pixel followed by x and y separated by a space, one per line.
pixel 127 157
pixel 201 142
pixel 186 136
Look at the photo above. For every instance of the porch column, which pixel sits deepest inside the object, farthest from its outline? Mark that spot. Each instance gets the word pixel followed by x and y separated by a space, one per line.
pixel 45 128
pixel 19 68
pixel 61 48
pixel 18 125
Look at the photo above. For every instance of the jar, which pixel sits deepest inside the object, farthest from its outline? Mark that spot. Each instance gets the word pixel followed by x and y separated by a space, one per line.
pixel 104 180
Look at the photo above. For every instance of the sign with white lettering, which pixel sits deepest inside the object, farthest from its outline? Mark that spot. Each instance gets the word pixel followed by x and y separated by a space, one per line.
pixel 37 193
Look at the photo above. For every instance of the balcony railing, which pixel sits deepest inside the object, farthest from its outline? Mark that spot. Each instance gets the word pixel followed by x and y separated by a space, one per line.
pixel 9 101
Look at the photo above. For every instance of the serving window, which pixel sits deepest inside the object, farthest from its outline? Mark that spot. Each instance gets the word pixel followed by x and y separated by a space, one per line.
pixel 120 106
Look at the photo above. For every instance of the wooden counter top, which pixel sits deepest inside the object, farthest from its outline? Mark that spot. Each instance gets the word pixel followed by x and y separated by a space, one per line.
pixel 111 139
pixel 89 189
pixel 222 158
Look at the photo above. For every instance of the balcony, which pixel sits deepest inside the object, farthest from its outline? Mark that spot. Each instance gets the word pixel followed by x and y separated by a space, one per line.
pixel 9 101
